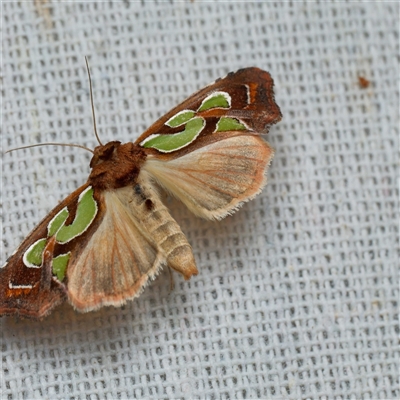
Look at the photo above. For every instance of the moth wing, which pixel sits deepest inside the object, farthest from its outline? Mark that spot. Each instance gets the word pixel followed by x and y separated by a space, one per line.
pixel 117 258
pixel 25 299
pixel 128 244
pixel 252 103
pixel 109 261
pixel 23 291
pixel 215 179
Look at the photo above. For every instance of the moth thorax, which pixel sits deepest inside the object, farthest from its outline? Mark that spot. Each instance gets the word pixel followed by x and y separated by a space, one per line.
pixel 116 165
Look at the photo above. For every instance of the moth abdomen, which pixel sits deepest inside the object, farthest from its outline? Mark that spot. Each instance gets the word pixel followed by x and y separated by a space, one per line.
pixel 138 190
pixel 164 230
pixel 149 205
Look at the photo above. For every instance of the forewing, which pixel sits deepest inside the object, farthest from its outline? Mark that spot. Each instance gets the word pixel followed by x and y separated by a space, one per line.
pixel 215 179
pixel 28 290
pixel 243 100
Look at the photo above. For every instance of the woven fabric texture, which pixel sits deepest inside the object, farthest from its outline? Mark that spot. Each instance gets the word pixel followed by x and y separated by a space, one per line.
pixel 297 295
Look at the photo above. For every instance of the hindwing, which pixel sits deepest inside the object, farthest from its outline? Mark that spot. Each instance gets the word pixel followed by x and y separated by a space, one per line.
pixel 214 180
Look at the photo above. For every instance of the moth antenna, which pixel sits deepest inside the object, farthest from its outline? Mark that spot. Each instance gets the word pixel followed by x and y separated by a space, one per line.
pixel 92 103
pixel 70 145
pixel 50 144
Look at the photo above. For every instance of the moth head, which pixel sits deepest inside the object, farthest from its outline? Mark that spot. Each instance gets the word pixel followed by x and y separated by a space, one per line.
pixel 104 153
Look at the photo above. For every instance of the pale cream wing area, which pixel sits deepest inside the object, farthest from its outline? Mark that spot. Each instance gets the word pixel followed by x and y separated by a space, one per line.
pixel 134 239
pixel 214 180
pixel 117 261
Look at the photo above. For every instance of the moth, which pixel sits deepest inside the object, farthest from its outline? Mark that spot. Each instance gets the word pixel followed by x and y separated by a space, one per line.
pixel 104 242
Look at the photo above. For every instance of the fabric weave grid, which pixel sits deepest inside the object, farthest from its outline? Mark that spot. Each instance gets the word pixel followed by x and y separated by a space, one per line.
pixel 297 295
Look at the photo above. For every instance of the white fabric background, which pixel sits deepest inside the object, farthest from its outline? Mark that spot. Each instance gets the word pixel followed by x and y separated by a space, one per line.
pixel 297 295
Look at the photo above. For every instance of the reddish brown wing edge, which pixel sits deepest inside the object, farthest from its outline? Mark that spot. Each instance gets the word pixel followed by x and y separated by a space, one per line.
pixel 46 293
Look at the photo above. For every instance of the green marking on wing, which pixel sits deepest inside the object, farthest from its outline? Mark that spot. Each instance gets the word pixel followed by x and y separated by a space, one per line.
pixel 85 213
pixel 229 124
pixel 215 100
pixel 180 118
pixel 56 223
pixel 34 254
pixel 60 265
pixel 169 143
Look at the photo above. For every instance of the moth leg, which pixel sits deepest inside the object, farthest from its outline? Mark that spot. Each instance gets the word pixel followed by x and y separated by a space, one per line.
pixel 47 267
pixel 47 264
